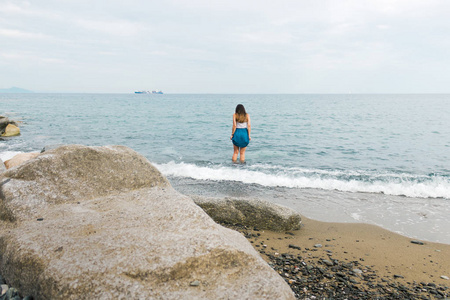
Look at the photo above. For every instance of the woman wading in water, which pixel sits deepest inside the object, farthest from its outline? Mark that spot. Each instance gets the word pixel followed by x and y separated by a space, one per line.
pixel 240 135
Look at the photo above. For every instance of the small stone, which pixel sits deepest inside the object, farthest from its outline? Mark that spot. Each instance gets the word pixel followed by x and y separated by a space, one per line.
pixel 195 283
pixel 4 289
pixel 318 245
pixel 357 271
pixel 444 277
pixel 294 247
pixel 417 242
pixel 398 276
pixel 40 219
pixel 11 293
pixel 327 262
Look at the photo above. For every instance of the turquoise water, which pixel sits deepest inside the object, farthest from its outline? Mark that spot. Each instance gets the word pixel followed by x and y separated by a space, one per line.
pixel 381 159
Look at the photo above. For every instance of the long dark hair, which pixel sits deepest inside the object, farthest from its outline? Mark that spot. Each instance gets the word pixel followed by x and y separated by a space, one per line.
pixel 241 114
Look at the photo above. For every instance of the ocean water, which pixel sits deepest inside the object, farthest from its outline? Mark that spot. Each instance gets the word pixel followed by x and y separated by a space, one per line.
pixel 378 159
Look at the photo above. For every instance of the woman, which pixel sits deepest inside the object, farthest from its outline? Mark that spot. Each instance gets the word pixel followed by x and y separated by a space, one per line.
pixel 240 135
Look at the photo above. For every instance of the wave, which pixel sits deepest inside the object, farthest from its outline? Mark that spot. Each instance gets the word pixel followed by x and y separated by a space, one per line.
pixel 5 155
pixel 409 185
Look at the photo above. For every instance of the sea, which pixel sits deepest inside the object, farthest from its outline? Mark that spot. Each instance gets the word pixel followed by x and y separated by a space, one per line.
pixel 381 159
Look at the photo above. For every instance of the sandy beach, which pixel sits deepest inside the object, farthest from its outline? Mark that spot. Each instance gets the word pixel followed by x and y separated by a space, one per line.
pixel 390 261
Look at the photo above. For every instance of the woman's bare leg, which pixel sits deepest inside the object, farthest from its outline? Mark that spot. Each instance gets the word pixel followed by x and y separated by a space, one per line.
pixel 242 158
pixel 235 153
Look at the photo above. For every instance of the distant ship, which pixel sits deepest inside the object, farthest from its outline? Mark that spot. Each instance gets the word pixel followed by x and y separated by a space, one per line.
pixel 148 92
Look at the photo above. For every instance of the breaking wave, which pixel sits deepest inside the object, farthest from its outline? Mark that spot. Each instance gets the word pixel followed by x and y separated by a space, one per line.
pixel 409 185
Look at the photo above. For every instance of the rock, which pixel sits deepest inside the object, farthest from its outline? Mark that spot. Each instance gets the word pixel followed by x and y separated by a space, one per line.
pixel 357 271
pixel 417 242
pixel 318 245
pixel 4 122
pixel 20 159
pixel 444 277
pixel 328 262
pixel 250 212
pixel 11 130
pixel 3 289
pixel 294 247
pixel 76 172
pixel 121 232
pixel 195 283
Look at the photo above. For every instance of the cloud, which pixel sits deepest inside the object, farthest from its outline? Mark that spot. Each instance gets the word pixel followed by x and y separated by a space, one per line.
pixel 25 57
pixel 112 27
pixel 226 42
pixel 13 33
pixel 266 37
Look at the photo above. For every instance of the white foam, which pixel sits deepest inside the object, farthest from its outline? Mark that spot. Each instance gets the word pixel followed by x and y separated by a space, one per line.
pixel 4 156
pixel 435 187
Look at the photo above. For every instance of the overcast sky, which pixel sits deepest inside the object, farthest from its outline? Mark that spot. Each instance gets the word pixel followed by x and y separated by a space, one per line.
pixel 206 46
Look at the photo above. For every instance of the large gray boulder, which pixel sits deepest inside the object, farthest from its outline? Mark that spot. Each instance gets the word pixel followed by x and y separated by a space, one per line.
pixel 75 172
pixel 250 212
pixel 102 223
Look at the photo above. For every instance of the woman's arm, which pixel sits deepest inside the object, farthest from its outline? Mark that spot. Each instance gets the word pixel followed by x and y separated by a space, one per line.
pixel 234 126
pixel 249 126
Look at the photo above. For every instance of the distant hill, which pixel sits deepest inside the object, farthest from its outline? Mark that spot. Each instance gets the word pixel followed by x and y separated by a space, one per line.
pixel 15 90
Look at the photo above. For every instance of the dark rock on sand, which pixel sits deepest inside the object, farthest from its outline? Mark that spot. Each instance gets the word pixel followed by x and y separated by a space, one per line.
pixel 114 228
pixel 417 242
pixel 250 212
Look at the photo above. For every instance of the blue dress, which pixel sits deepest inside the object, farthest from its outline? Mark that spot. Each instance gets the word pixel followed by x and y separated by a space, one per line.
pixel 240 137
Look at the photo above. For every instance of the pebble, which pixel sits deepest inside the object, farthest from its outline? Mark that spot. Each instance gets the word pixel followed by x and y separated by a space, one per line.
pixel 327 262
pixel 195 283
pixel 318 245
pixel 417 242
pixel 311 277
pixel 444 277
pixel 4 289
pixel 294 247
pixel 326 279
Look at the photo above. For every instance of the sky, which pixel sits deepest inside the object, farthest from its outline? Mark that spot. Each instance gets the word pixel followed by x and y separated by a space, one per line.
pixel 207 46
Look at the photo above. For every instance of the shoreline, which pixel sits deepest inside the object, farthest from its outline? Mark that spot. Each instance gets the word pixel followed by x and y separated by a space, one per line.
pixel 393 264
